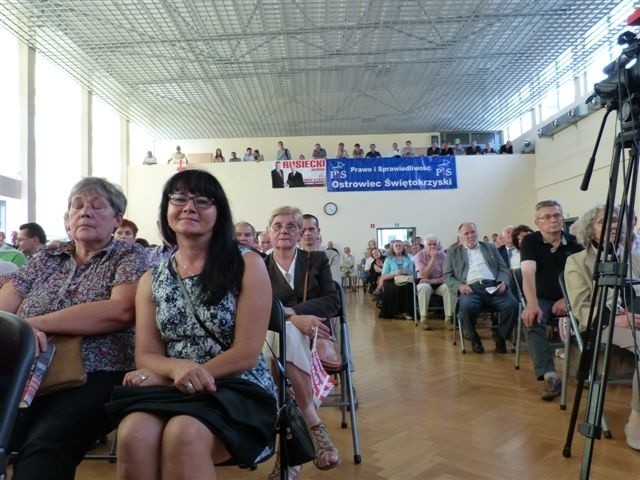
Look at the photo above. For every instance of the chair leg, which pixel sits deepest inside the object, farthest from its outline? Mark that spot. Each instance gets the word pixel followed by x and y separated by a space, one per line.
pixel 518 340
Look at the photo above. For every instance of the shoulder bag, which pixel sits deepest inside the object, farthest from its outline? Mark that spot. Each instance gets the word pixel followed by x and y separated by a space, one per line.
pixel 67 367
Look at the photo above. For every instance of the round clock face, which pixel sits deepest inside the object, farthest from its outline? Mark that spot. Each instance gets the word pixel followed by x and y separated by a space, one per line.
pixel 330 208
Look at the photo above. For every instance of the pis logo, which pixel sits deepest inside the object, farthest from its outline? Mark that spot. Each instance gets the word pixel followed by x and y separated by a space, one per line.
pixel 337 171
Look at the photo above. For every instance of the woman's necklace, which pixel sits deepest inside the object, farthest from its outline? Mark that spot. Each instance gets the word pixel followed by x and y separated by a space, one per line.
pixel 186 269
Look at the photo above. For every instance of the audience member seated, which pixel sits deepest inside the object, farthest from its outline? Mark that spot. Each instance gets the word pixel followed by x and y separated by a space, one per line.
pixel 429 264
pixel 31 238
pixel 126 232
pixel 446 148
pixel 342 153
pixel 303 283
pixel 507 147
pixel 517 235
pixel 264 242
pixel 149 159
pixel 507 248
pixel 373 153
pixel 245 234
pixel 434 149
pixel 82 287
pixel 319 152
pixel 458 149
pixel 578 276
pixel 489 149
pixel 363 268
pixel 477 274
pixel 178 158
pixel 372 244
pixel 528 147
pixel 257 156
pixel 407 150
pixel 312 242
pixel 234 157
pixel 348 267
pixel 10 254
pixel 248 155
pixel 396 284
pixel 218 158
pixel 357 151
pixel 543 255
pixel 375 271
pixel 473 149
pixel 202 393
pixel 395 151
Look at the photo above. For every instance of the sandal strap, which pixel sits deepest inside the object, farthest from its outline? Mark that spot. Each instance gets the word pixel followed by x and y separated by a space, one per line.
pixel 321 439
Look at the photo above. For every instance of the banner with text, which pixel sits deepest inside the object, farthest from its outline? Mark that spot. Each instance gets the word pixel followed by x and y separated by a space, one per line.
pixel 405 173
pixel 298 173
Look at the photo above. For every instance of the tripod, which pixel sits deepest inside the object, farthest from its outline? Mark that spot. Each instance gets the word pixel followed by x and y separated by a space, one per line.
pixel 610 280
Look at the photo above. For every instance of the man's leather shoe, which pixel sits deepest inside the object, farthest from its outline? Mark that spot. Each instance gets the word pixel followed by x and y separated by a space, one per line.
pixel 478 348
pixel 501 345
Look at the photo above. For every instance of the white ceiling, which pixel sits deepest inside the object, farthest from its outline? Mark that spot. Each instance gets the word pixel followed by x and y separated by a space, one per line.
pixel 254 68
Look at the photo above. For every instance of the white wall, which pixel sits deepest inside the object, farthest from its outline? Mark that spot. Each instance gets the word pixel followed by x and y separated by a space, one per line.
pixel 562 160
pixel 493 191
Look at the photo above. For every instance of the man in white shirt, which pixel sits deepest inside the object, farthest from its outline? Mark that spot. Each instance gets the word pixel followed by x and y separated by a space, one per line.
pixel 477 273
pixel 248 155
pixel 395 151
pixel 178 157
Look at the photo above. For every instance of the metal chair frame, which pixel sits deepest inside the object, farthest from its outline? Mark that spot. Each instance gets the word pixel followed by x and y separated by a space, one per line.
pixel 345 399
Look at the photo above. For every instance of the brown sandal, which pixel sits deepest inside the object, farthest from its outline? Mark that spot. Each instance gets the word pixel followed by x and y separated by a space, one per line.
pixel 325 448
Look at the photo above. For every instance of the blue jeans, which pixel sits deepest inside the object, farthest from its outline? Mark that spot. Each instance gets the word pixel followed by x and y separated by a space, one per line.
pixel 470 305
pixel 540 350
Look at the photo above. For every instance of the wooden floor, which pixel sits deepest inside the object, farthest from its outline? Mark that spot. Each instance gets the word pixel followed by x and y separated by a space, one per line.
pixel 429 412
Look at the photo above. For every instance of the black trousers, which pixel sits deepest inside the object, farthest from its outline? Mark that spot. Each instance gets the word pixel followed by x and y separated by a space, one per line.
pixel 54 433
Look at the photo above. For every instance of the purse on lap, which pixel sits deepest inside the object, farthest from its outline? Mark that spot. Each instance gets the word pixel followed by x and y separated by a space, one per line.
pixel 67 367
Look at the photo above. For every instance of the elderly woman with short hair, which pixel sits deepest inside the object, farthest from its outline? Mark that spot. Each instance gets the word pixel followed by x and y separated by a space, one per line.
pixel 578 275
pixel 83 287
pixel 302 281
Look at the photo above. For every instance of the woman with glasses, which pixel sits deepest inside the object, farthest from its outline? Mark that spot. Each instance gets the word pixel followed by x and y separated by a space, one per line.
pixel 578 275
pixel 202 393
pixel 303 283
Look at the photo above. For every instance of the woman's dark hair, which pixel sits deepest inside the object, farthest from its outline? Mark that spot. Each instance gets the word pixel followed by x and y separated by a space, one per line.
pixel 516 233
pixel 223 268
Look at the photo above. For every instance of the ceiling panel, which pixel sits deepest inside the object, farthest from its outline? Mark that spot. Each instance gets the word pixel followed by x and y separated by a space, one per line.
pixel 243 68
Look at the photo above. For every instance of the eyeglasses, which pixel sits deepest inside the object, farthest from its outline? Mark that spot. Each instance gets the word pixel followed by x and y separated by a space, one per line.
pixel 547 217
pixel 200 202
pixel 289 227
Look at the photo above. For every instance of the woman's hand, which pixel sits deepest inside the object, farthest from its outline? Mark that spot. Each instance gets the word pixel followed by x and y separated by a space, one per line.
pixel 144 378
pixel 191 377
pixel 624 320
pixel 40 339
pixel 308 323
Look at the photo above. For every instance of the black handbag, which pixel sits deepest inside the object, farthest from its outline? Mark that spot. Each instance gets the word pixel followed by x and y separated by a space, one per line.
pixel 295 440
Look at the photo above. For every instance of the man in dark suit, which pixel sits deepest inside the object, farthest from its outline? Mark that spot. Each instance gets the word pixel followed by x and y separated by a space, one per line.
pixel 294 179
pixel 434 149
pixel 473 149
pixel 277 176
pixel 478 275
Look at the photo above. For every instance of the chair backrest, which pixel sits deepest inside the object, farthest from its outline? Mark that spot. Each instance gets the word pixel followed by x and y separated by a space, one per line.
pixel 17 349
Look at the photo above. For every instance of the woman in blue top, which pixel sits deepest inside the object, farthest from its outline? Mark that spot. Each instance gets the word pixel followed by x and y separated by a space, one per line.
pixel 397 300
pixel 202 393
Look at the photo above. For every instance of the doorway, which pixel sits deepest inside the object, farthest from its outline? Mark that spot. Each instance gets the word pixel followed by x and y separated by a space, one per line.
pixel 387 235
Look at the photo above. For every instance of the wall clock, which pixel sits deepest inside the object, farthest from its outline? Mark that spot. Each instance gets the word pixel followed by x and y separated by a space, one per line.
pixel 330 208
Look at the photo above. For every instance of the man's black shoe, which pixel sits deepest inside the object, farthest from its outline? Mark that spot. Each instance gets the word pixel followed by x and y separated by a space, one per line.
pixel 501 346
pixel 478 348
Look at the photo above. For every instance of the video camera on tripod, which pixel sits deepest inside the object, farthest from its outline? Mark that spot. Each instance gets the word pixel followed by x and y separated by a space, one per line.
pixel 621 89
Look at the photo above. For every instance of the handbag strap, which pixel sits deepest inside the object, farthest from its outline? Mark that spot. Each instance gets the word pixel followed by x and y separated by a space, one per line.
pixel 191 308
pixel 306 277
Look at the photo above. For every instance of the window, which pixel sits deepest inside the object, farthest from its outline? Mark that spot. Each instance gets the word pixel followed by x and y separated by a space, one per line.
pixel 105 145
pixel 10 101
